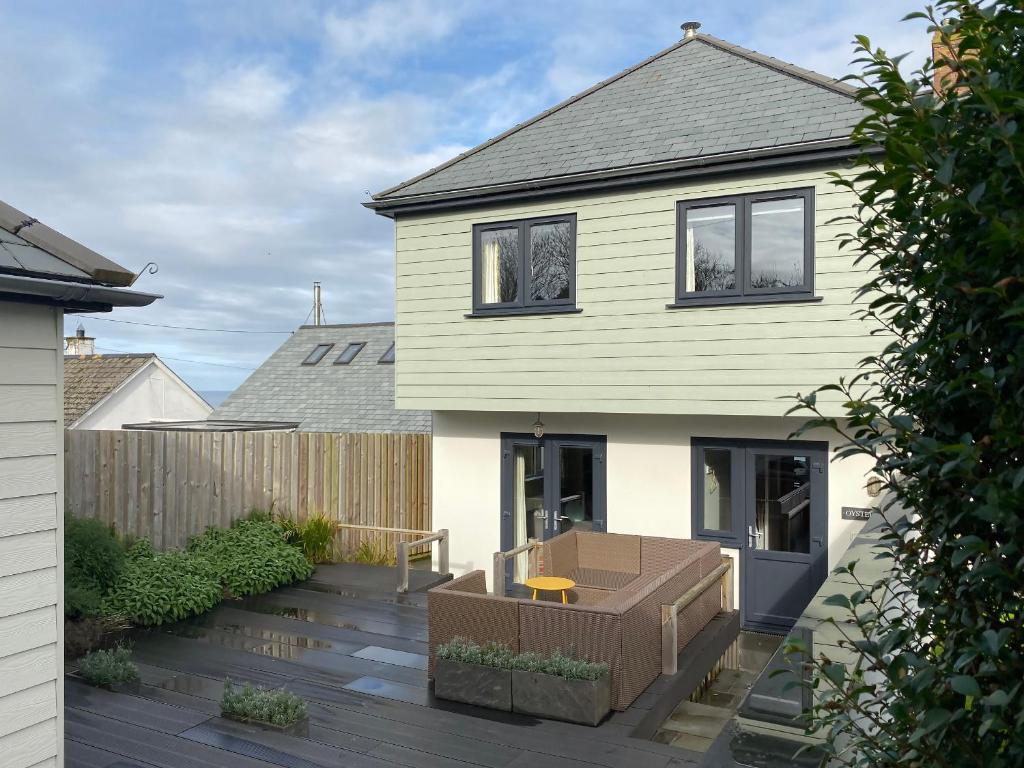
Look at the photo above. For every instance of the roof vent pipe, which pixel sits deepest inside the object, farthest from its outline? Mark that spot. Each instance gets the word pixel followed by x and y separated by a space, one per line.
pixel 690 29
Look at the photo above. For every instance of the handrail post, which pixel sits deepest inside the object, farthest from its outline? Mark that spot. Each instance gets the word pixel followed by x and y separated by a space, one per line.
pixel 442 553
pixel 532 562
pixel 669 640
pixel 499 574
pixel 403 566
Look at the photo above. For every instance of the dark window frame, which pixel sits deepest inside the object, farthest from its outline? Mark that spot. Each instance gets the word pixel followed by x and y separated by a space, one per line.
pixel 523 305
pixel 326 347
pixel 735 537
pixel 744 293
pixel 388 358
pixel 359 346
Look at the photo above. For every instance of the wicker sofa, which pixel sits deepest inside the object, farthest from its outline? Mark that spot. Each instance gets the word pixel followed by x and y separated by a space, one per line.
pixel 614 613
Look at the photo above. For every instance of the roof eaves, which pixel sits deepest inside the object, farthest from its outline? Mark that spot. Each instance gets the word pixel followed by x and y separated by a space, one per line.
pixel 698 165
pixel 100 268
pixel 380 196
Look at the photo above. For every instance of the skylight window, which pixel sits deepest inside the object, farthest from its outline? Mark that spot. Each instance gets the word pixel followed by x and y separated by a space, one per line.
pixel 389 356
pixel 319 352
pixel 349 353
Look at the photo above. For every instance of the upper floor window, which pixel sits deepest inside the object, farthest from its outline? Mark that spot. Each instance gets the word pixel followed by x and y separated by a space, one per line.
pixel 348 354
pixel 746 248
pixel 526 266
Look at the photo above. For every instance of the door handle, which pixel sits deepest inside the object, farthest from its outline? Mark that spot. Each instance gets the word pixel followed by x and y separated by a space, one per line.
pixel 818 540
pixel 753 537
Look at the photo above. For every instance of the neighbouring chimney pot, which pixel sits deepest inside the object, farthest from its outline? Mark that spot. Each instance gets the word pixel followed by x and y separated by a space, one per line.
pixel 690 29
pixel 80 344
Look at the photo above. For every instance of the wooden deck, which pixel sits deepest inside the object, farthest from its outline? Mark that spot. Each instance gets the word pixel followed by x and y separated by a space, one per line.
pixel 355 651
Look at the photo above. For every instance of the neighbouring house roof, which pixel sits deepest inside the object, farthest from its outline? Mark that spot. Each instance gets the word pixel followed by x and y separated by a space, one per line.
pixel 41 265
pixel 702 101
pixel 325 396
pixel 89 379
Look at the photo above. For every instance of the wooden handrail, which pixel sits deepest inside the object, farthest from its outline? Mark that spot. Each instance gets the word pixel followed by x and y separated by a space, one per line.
pixel 402 558
pixel 670 612
pixel 355 527
pixel 500 558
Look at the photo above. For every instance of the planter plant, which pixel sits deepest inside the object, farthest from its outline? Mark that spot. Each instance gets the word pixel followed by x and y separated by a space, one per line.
pixel 560 687
pixel 275 709
pixel 474 674
pixel 113 670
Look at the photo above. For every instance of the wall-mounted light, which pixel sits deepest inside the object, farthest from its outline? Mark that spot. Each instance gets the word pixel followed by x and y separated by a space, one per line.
pixel 874 487
pixel 538 427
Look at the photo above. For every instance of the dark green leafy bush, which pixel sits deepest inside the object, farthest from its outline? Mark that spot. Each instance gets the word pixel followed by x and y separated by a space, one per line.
pixel 940 678
pixel 250 558
pixel 164 587
pixel 93 557
pixel 262 705
pixel 107 668
pixel 81 602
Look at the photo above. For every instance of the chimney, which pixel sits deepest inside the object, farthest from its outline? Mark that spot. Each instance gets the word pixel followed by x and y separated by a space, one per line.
pixel 690 29
pixel 945 74
pixel 318 313
pixel 80 345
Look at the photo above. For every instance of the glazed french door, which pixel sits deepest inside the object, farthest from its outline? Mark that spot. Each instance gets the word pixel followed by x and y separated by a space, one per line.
pixel 549 485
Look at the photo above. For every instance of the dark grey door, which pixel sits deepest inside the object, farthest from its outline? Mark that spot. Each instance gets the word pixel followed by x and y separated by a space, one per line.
pixel 785 547
pixel 549 485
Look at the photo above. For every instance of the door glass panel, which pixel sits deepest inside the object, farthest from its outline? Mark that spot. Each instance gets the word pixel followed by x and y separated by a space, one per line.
pixel 550 260
pixel 527 501
pixel 782 502
pixel 718 489
pixel 576 476
pixel 499 265
pixel 711 249
pixel 777 243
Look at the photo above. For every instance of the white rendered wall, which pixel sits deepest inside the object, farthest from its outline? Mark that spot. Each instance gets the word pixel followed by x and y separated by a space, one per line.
pixel 648 472
pixel 151 395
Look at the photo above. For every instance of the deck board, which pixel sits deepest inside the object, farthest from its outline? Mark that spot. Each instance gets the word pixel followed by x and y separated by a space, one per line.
pixel 355 652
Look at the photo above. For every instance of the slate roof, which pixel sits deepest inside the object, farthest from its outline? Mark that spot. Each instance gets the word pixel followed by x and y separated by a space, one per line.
pixel 700 98
pixel 358 397
pixel 29 247
pixel 90 378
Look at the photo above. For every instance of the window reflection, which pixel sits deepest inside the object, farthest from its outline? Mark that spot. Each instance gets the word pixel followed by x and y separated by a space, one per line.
pixel 777 243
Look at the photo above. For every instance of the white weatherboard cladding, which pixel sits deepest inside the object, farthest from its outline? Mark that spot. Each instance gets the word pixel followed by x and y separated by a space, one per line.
pixel 31 536
pixel 648 474
pixel 624 352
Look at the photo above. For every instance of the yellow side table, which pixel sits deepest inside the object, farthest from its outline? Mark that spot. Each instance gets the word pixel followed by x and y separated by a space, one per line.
pixel 550 584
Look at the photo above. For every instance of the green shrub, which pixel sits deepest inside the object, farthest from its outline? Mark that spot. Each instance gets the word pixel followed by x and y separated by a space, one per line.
pixel 276 707
pixel 373 552
pixel 257 515
pixel 560 665
pixel 250 558
pixel 107 668
pixel 164 587
pixel 317 535
pixel 141 549
pixel 490 654
pixel 81 601
pixel 93 557
pixel 290 531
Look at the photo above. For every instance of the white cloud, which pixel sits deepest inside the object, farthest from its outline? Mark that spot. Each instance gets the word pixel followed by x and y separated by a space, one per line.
pixel 388 27
pixel 251 92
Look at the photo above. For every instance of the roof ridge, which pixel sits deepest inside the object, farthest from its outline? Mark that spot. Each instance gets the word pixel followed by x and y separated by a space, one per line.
pixel 782 67
pixel 536 118
pixel 349 325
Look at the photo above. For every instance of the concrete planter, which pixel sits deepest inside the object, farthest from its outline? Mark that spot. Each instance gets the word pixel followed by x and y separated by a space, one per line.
pixel 473 684
pixel 298 728
pixel 575 701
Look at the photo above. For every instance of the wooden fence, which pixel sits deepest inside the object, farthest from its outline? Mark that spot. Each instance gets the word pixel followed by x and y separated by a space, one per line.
pixel 167 486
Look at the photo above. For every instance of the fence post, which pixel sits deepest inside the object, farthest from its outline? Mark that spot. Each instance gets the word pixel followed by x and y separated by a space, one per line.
pixel 499 573
pixel 442 553
pixel 403 566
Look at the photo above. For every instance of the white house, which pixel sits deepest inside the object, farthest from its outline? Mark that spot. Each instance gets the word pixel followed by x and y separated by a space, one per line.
pixel 43 274
pixel 605 306
pixel 112 390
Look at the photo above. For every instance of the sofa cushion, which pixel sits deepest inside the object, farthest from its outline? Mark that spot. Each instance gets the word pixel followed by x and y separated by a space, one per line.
pixel 608 551
pixel 601 579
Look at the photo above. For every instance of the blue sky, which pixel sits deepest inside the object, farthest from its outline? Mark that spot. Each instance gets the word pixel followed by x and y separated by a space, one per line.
pixel 232 141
